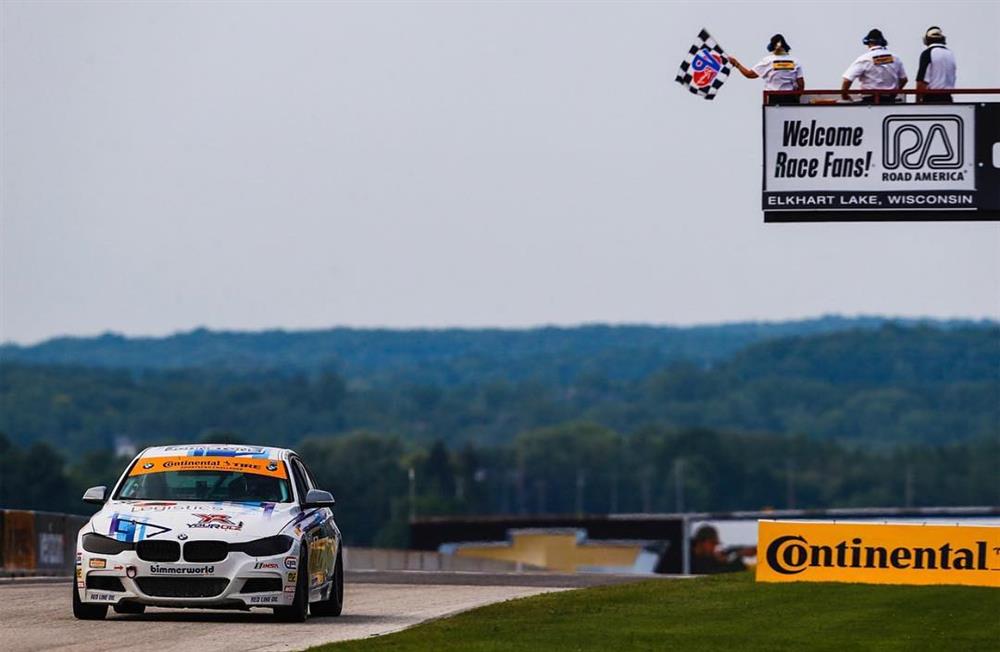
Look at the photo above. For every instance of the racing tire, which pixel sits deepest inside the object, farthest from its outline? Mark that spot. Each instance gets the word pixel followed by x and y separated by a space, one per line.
pixel 333 605
pixel 129 608
pixel 83 611
pixel 298 611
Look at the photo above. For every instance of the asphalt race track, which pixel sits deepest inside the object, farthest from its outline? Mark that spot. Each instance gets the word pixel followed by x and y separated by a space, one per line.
pixel 38 615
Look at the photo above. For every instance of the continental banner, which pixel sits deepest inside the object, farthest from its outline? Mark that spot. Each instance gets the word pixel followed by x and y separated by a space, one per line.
pixel 897 161
pixel 273 468
pixel 798 551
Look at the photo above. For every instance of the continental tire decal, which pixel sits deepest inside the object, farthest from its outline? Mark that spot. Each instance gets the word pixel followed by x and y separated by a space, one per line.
pixel 272 468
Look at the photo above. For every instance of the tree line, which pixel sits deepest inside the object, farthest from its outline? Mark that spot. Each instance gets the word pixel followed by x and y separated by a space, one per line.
pixel 573 467
pixel 883 386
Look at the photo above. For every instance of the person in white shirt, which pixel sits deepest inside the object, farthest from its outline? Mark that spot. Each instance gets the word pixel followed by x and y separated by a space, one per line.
pixel 779 70
pixel 878 69
pixel 937 68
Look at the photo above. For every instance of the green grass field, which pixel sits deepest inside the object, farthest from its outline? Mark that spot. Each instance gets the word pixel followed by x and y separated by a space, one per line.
pixel 729 612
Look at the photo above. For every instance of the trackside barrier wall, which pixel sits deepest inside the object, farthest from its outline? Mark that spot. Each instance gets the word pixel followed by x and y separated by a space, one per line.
pixel 44 543
pixel 666 530
pixel 38 543
pixel 50 541
pixel 672 530
pixel 73 526
pixel 370 559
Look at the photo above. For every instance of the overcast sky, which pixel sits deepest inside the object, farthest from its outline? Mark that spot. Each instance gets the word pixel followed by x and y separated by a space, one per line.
pixel 255 165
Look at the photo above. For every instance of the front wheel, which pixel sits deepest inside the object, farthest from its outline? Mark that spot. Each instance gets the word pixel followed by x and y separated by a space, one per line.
pixel 334 604
pixel 84 611
pixel 299 609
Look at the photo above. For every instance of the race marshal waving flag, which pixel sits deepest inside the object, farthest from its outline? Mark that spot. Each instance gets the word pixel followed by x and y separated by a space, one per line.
pixel 706 67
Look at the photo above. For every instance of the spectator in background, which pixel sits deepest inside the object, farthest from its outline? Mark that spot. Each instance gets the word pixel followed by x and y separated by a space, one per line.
pixel 878 69
pixel 937 68
pixel 779 70
pixel 707 558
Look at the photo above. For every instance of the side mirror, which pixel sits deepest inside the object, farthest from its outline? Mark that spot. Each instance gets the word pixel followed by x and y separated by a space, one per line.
pixel 319 498
pixel 96 495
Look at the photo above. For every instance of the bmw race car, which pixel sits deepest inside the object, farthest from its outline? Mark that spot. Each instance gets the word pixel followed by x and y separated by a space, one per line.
pixel 211 526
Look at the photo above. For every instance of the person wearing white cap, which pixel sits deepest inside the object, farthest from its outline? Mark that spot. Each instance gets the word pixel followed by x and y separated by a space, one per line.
pixel 878 69
pixel 779 70
pixel 937 68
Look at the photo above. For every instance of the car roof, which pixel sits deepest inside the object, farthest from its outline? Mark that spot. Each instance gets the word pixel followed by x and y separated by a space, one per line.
pixel 220 450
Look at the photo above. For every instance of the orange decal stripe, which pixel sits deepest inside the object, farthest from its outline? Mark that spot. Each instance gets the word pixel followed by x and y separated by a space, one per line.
pixel 272 468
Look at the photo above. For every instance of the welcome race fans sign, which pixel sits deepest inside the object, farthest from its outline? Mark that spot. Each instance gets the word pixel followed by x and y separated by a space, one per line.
pixel 848 162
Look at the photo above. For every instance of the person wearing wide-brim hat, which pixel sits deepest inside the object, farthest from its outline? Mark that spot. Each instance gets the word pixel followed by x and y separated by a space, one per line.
pixel 878 69
pixel 779 70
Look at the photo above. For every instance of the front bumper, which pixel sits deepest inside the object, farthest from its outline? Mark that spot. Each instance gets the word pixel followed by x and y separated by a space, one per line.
pixel 239 581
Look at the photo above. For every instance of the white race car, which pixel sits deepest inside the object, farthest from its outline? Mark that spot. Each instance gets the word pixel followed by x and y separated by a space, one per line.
pixel 211 526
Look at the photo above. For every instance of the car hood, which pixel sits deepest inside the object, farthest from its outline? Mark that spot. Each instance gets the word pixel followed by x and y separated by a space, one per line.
pixel 135 520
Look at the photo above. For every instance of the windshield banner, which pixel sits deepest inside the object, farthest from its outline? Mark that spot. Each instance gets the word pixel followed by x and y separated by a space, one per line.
pixel 272 468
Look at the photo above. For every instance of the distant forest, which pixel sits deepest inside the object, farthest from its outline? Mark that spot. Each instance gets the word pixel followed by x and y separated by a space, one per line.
pixel 877 386
pixel 442 357
pixel 820 413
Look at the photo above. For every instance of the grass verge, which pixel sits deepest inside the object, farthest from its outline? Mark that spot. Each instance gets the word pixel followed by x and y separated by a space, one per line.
pixel 717 613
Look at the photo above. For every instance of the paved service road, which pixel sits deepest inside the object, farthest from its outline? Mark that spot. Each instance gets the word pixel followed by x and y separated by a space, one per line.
pixel 38 616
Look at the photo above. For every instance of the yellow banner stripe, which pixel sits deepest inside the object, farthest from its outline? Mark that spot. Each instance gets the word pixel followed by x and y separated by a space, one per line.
pixel 795 551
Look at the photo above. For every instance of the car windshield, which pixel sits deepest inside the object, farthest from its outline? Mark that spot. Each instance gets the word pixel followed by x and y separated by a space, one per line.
pixel 251 481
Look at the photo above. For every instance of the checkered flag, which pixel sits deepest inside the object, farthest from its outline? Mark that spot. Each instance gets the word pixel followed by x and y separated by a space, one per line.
pixel 705 68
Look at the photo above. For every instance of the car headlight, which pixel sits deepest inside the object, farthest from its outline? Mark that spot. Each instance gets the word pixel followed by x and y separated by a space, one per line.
pixel 266 547
pixel 105 545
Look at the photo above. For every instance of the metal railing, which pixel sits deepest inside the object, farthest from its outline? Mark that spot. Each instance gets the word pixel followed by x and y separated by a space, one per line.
pixel 831 96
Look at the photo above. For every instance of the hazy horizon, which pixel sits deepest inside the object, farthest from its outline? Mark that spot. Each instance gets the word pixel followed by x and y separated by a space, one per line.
pixel 526 327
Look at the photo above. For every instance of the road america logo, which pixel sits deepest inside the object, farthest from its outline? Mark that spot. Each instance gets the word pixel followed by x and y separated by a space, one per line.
pixel 216 522
pixel 705 67
pixel 918 142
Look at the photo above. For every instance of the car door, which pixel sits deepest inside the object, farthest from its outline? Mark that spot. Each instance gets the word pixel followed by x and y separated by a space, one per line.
pixel 318 530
